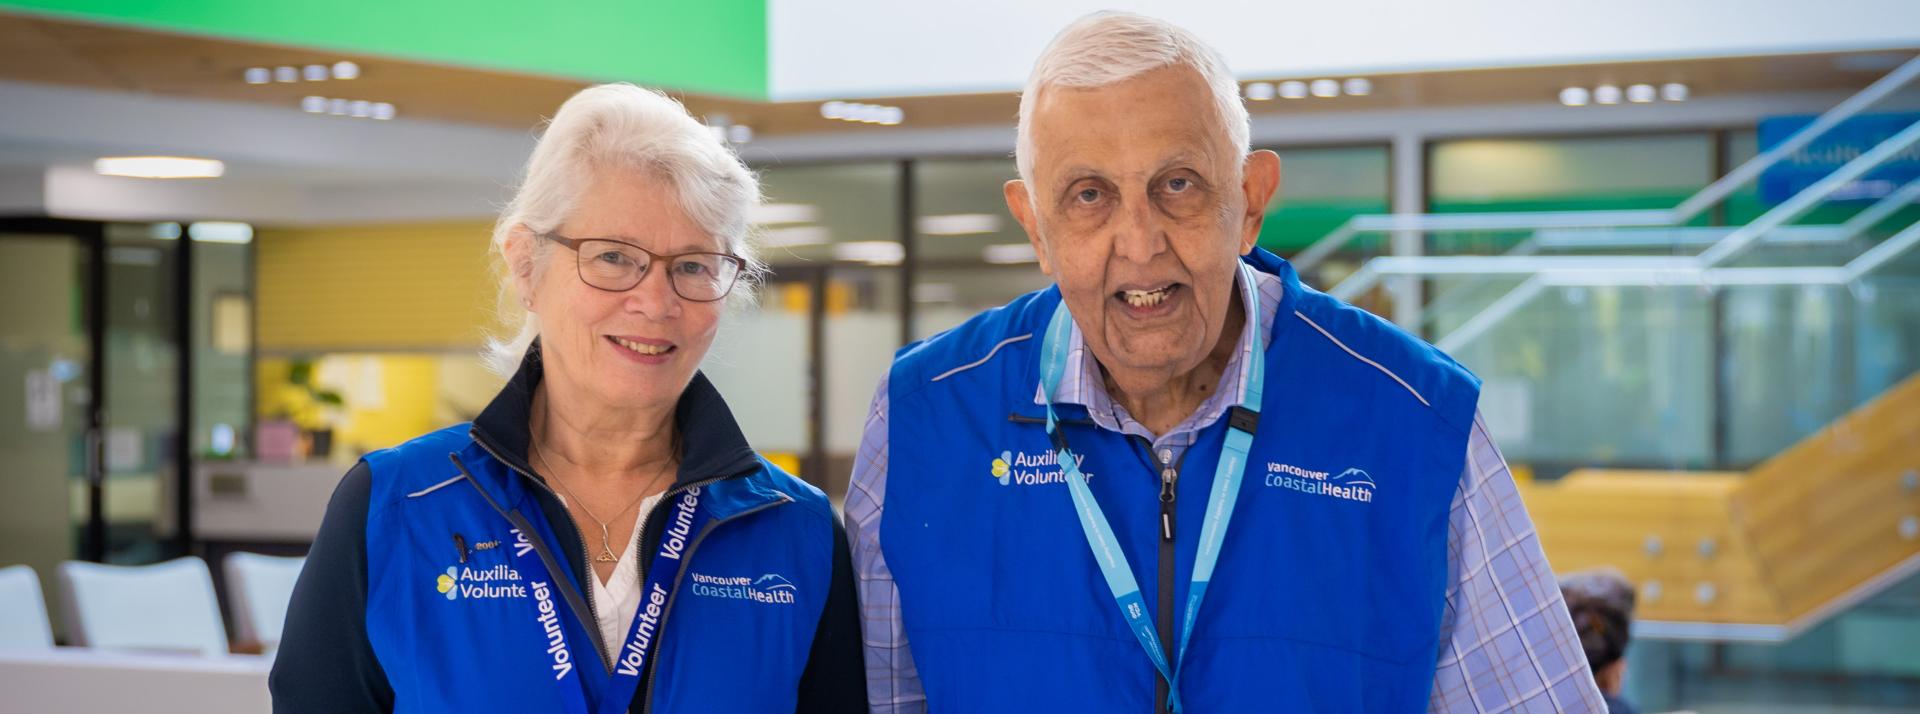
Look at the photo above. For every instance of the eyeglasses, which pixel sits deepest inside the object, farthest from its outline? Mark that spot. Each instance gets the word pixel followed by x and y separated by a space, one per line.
pixel 617 266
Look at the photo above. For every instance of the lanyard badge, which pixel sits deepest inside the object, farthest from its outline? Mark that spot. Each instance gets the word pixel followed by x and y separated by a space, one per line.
pixel 1225 491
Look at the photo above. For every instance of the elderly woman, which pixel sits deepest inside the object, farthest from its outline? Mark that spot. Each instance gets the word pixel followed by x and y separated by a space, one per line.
pixel 601 538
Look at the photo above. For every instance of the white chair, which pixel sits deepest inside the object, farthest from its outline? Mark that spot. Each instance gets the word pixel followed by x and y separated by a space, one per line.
pixel 23 612
pixel 164 606
pixel 258 589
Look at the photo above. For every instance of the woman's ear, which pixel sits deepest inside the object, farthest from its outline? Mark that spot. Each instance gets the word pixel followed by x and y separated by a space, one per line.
pixel 518 252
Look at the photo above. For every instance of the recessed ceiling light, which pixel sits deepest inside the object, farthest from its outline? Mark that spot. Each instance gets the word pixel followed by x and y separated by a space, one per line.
pixel 338 107
pixel 286 74
pixel 220 232
pixel 739 133
pixel 1259 91
pixel 360 109
pixel 258 75
pixel 1606 94
pixel 792 236
pixel 770 214
pixel 863 113
pixel 1640 93
pixel 1009 253
pixel 1325 88
pixel 382 111
pixel 314 105
pixel 1574 96
pixel 872 252
pixel 1358 87
pixel 1673 92
pixel 346 70
pixel 158 167
pixel 1293 89
pixel 959 224
pixel 314 73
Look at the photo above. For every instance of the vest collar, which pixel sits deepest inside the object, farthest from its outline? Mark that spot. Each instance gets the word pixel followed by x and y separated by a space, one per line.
pixel 711 443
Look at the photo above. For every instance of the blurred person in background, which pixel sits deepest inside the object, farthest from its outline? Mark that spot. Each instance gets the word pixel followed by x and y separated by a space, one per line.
pixel 1180 479
pixel 1601 602
pixel 601 538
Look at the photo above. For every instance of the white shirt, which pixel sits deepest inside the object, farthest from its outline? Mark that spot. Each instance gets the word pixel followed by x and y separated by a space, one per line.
pixel 616 601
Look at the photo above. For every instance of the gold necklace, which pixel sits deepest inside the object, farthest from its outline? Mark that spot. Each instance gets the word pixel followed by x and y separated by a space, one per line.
pixel 606 548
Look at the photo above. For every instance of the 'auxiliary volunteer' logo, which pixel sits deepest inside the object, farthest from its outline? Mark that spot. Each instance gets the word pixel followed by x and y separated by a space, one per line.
pixel 1024 469
pixel 498 581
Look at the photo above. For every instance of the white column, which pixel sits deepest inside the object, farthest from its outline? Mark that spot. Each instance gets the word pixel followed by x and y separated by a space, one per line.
pixel 1409 162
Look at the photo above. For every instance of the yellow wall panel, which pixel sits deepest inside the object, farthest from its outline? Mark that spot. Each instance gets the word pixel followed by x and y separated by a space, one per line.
pixel 416 286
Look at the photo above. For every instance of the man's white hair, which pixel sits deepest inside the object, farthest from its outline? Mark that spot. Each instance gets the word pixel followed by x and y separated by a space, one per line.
pixel 1109 47
pixel 620 127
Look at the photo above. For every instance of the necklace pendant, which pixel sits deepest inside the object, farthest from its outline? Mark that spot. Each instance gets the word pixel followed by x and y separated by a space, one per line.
pixel 605 556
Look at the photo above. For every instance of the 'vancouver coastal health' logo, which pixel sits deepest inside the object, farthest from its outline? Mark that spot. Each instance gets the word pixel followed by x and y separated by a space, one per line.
pixel 772 588
pixel 1022 468
pixel 1350 485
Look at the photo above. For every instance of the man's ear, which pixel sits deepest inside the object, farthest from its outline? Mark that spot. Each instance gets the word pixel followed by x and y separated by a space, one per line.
pixel 1020 203
pixel 1260 180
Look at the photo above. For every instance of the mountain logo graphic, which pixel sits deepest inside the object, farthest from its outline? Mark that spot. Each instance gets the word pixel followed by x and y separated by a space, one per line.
pixel 773 581
pixel 1355 477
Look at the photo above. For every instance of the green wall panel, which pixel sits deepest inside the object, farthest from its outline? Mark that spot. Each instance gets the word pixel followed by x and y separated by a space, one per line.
pixel 716 47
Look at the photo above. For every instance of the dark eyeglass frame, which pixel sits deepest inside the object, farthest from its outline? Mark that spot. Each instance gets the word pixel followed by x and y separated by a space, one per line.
pixel 577 244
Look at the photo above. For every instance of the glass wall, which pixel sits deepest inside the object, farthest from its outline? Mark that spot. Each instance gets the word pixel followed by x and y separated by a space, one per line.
pixel 45 364
pixel 973 255
pixel 142 400
pixel 222 346
pixel 1322 187
pixel 831 234
pixel 1650 171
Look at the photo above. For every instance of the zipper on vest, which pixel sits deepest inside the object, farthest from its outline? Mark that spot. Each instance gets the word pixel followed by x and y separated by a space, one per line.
pixel 585 563
pixel 1163 618
pixel 646 687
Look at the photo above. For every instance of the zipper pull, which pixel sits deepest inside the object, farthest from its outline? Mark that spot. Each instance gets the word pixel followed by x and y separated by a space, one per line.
pixel 1167 478
pixel 1167 475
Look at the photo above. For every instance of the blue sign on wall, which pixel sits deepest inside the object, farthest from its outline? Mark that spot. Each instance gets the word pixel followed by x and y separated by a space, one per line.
pixel 1839 145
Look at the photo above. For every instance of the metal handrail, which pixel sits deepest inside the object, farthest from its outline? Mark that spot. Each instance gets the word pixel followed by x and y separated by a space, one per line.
pixel 1702 235
pixel 1372 271
pixel 1693 206
pixel 1694 274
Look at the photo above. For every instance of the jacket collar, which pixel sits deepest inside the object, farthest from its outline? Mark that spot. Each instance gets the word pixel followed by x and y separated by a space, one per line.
pixel 711 443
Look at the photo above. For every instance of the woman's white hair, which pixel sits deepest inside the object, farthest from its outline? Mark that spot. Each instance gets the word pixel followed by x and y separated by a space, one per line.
pixel 620 126
pixel 1110 47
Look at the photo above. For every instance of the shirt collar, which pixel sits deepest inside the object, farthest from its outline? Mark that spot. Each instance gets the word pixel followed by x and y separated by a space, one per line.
pixel 1083 384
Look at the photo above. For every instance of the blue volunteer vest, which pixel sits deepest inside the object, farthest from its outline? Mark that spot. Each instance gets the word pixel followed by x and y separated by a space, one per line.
pixel 734 628
pixel 1331 580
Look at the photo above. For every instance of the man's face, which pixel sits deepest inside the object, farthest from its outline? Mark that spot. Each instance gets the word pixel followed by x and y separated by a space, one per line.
pixel 1140 207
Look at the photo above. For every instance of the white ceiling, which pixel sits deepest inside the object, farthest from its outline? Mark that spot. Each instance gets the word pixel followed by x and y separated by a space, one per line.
pixel 820 49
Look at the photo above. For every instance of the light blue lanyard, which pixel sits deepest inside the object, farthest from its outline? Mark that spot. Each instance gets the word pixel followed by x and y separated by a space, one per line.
pixel 1228 473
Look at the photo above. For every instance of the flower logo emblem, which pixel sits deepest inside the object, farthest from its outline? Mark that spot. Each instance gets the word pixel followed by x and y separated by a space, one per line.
pixel 445 583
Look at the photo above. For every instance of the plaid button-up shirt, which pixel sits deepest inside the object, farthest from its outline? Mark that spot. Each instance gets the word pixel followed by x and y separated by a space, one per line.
pixel 1506 644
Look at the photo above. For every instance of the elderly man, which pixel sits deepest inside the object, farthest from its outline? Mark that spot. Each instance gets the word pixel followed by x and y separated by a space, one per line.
pixel 1181 480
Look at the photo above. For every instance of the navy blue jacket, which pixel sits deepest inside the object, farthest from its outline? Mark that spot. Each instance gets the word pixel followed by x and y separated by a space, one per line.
pixel 370 631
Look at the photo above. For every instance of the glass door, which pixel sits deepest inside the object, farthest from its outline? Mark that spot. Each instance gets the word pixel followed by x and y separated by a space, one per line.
pixel 140 434
pixel 47 381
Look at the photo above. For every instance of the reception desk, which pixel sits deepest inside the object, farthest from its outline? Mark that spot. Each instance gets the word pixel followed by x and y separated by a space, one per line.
pixel 82 680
